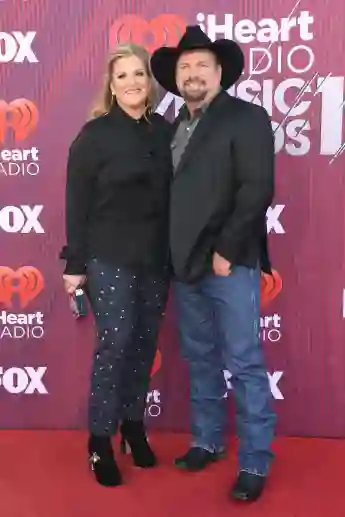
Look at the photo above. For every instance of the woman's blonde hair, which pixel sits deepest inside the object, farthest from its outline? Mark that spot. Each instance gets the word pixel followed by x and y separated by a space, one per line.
pixel 105 98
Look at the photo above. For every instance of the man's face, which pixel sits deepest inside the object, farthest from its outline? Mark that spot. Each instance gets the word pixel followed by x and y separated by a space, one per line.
pixel 198 75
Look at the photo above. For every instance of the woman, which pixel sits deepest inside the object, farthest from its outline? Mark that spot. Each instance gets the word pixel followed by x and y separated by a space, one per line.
pixel 118 177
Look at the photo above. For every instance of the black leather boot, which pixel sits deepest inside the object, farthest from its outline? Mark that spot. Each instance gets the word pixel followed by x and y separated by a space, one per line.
pixel 197 459
pixel 248 487
pixel 102 462
pixel 133 438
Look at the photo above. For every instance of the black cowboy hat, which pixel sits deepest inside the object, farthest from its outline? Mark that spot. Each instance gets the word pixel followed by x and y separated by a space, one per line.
pixel 228 52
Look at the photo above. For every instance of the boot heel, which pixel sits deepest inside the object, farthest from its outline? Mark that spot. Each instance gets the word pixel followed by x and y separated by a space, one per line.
pixel 134 441
pixel 124 446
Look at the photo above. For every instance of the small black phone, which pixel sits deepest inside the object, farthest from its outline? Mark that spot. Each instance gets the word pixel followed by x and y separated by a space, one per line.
pixel 78 303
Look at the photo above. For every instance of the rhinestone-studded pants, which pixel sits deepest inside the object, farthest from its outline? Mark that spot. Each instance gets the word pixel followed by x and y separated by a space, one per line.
pixel 128 307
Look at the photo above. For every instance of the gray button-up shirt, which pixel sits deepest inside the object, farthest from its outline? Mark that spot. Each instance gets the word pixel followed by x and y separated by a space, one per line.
pixel 184 131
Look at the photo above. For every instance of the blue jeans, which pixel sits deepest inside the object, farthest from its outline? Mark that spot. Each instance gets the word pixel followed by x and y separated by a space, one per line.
pixel 219 324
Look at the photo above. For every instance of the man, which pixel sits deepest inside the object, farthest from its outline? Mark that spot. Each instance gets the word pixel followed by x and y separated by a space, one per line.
pixel 223 153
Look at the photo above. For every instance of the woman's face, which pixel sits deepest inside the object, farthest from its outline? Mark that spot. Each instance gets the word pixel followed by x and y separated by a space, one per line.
pixel 130 82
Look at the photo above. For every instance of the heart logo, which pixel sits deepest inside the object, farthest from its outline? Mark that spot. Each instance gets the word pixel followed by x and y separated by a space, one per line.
pixel 157 363
pixel 27 282
pixel 163 30
pixel 21 115
pixel 271 286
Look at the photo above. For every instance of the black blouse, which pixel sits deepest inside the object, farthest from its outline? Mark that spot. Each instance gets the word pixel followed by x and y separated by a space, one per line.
pixel 117 192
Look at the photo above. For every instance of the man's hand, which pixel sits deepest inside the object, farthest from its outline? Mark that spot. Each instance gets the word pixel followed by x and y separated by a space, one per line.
pixel 221 266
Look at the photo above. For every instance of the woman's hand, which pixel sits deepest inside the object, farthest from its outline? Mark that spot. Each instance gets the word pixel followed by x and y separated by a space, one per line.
pixel 72 282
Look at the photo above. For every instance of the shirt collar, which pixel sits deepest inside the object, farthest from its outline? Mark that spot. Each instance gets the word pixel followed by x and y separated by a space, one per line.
pixel 185 115
pixel 118 113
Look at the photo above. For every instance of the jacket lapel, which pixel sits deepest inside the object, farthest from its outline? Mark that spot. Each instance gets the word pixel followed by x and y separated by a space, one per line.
pixel 201 131
pixel 177 120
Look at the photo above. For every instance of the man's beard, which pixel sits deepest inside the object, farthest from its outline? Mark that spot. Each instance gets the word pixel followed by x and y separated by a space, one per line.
pixel 193 96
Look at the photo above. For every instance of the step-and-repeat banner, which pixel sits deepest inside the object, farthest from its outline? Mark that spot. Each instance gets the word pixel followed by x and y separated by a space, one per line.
pixel 52 57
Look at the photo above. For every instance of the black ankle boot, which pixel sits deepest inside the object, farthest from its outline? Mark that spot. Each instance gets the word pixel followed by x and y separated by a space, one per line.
pixel 102 462
pixel 133 435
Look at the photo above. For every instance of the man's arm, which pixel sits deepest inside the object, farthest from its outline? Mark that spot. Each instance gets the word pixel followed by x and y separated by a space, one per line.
pixel 254 170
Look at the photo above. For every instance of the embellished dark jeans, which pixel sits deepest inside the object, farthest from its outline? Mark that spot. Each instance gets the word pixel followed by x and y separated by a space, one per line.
pixel 128 306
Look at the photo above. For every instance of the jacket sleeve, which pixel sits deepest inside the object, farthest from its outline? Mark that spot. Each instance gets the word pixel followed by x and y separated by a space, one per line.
pixel 81 173
pixel 253 148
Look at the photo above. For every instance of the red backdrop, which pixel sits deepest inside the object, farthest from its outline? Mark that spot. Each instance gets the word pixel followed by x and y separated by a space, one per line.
pixel 52 57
